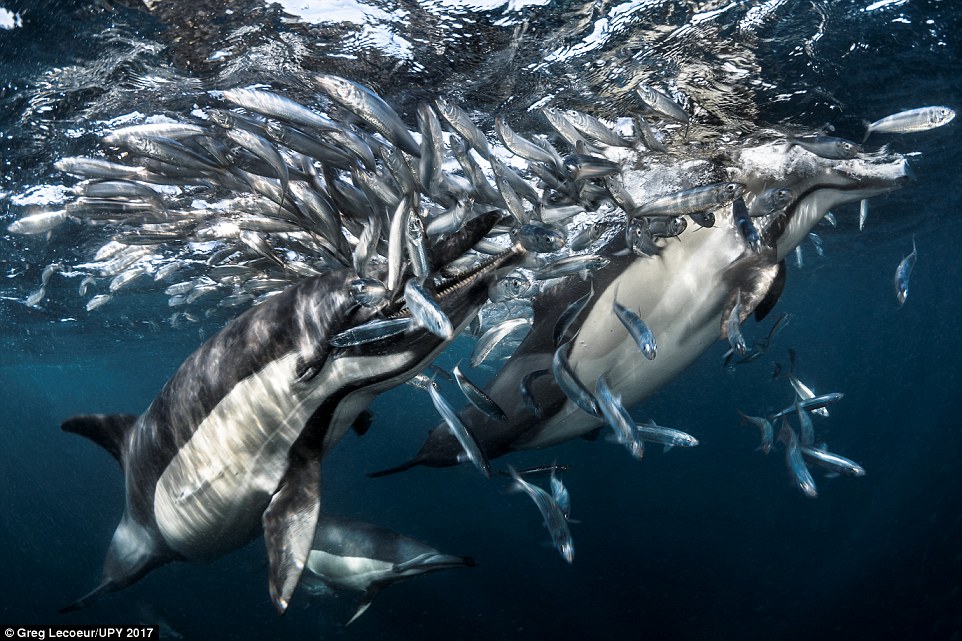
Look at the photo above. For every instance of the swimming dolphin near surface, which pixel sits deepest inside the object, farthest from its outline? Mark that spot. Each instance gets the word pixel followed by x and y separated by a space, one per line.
pixel 233 442
pixel 354 555
pixel 685 294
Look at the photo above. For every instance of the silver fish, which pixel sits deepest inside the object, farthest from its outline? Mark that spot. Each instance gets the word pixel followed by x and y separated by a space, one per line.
pixel 770 201
pixel 490 339
pixel 125 278
pixel 560 123
pixel 818 242
pixel 594 128
pixel 85 285
pixel 523 147
pixel 617 417
pixel 416 239
pixel 765 429
pixel 461 122
pixel 735 338
pixel 34 298
pixel 832 462
pixel 49 271
pixel 806 430
pixel 637 329
pixel 514 285
pixel 560 494
pixel 799 257
pixel 477 397
pixel 911 121
pixel 573 388
pixel 647 135
pixel 661 104
pixel 902 274
pixel 569 315
pixel 169 269
pixel 666 436
pixel 38 223
pixel 827 147
pixel 538 239
pixel 461 432
pixel 425 310
pixel 279 107
pixel 796 464
pixel 813 403
pixel 371 108
pixel 97 168
pixel 554 518
pixel 571 265
pixel 689 201
pixel 368 292
pixel 371 332
pixel 97 301
pixel 172 130
pixel 524 386
pixel 804 392
pixel 862 213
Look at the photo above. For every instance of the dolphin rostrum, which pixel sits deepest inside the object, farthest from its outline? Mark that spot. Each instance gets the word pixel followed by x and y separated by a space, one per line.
pixel 233 442
pixel 684 294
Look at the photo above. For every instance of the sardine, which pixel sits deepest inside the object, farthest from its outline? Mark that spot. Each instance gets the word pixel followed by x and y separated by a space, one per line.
pixel 538 239
pixel 817 241
pixel 902 274
pixel 172 130
pixel 371 332
pixel 733 325
pixel 426 311
pixel 416 239
pixel 85 285
pixel 554 518
pixel 567 318
pixel 461 123
pixel 560 494
pixel 36 297
pixel 647 135
pixel 862 213
pixel 661 104
pixel 279 107
pixel 560 123
pixel 523 147
pixel 432 148
pixel 524 387
pixel 745 225
pixel 369 107
pixel 595 129
pixel 796 464
pixel 368 292
pixel 666 436
pixel 125 278
pixel 806 431
pixel 690 201
pixel 618 418
pixel 911 121
pixel 477 397
pixel 38 223
pixel 396 243
pixel 804 392
pixel 461 432
pixel 770 201
pixel 97 168
pixel 813 403
pixel 832 462
pixel 490 339
pixel 827 147
pixel 97 301
pixel 573 388
pixel 571 265
pixel 765 430
pixel 637 329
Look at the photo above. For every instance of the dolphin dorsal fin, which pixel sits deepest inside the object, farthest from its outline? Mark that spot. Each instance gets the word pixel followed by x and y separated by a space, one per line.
pixel 109 431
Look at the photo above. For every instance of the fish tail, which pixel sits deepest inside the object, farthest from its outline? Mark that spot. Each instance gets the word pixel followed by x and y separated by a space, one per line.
pixel 403 467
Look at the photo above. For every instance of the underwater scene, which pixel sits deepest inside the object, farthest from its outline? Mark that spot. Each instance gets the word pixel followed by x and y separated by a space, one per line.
pixel 430 319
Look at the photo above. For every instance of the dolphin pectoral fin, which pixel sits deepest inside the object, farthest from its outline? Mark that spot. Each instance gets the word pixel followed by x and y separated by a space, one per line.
pixel 403 467
pixel 365 601
pixel 289 524
pixel 109 431
pixel 90 597
pixel 753 276
pixel 773 294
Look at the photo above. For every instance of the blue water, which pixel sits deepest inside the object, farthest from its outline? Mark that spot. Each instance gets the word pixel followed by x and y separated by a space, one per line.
pixel 712 542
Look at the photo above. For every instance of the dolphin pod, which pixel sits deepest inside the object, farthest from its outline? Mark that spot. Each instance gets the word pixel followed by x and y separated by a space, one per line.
pixel 232 445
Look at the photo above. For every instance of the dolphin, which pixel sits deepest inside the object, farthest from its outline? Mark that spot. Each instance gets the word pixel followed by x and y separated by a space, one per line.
pixel 233 442
pixel 354 555
pixel 684 294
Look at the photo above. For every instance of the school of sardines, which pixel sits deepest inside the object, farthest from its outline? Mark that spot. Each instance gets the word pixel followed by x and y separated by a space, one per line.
pixel 242 201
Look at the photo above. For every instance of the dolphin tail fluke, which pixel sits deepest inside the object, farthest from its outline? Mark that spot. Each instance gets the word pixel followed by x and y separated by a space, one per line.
pixel 87 599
